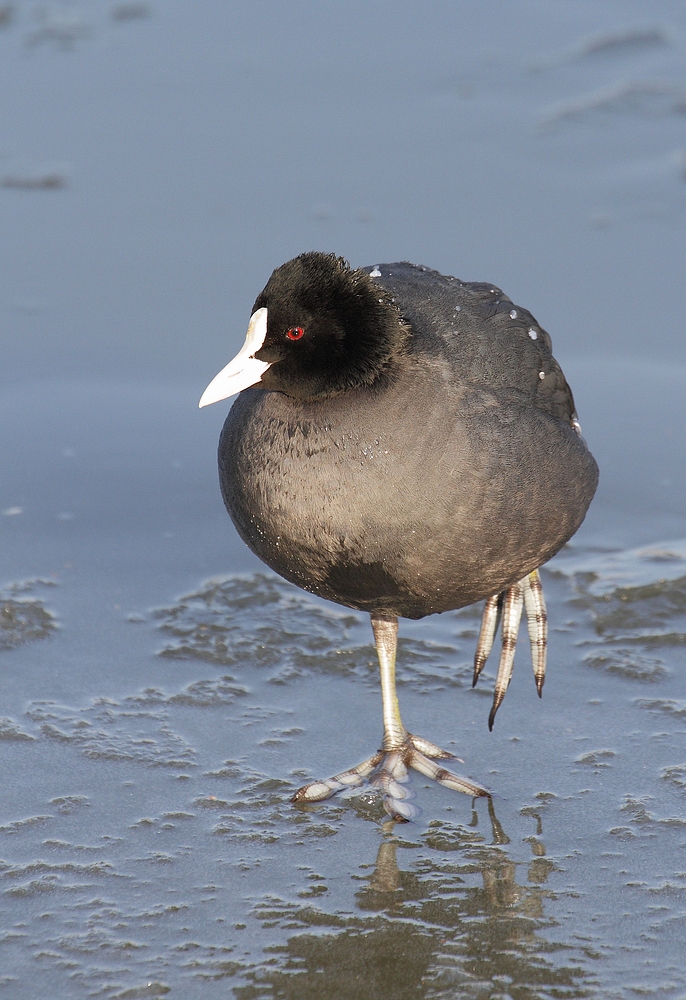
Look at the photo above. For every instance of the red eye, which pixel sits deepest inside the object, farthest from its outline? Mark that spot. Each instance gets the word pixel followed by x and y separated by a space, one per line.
pixel 295 333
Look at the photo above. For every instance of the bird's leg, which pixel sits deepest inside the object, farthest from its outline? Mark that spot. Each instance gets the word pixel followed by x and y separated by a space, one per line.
pixel 388 768
pixel 385 629
pixel 528 593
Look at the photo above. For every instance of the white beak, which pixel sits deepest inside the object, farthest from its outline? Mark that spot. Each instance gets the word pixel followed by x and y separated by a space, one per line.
pixel 245 369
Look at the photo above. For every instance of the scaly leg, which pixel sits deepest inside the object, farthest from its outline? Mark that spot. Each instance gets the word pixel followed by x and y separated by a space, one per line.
pixel 508 606
pixel 388 768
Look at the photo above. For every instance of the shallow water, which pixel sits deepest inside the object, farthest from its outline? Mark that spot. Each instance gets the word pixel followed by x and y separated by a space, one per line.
pixel 162 694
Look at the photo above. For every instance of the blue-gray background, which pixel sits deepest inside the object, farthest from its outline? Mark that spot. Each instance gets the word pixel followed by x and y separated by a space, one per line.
pixel 156 162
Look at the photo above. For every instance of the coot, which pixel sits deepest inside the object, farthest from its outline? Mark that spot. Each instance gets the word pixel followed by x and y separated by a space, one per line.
pixel 404 443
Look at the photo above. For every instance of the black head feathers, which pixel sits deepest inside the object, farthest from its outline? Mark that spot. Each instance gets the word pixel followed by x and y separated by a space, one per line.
pixel 329 328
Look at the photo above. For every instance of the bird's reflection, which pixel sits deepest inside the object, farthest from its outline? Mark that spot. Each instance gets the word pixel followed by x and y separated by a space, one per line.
pixel 497 870
pixel 459 923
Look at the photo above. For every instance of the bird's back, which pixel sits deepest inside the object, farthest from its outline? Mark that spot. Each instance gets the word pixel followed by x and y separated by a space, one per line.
pixel 484 337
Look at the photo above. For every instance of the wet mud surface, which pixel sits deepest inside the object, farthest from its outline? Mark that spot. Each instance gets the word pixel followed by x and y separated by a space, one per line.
pixel 162 694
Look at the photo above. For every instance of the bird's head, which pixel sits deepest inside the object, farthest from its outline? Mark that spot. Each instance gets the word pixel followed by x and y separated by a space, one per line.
pixel 317 328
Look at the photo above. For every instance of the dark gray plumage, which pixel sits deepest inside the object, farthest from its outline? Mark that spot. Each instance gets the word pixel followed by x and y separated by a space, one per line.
pixel 450 481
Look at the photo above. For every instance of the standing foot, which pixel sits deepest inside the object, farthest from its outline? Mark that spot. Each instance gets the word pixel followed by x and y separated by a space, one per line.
pixel 507 607
pixel 388 770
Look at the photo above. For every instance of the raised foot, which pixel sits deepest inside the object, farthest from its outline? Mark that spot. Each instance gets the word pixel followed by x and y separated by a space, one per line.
pixel 388 771
pixel 507 607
